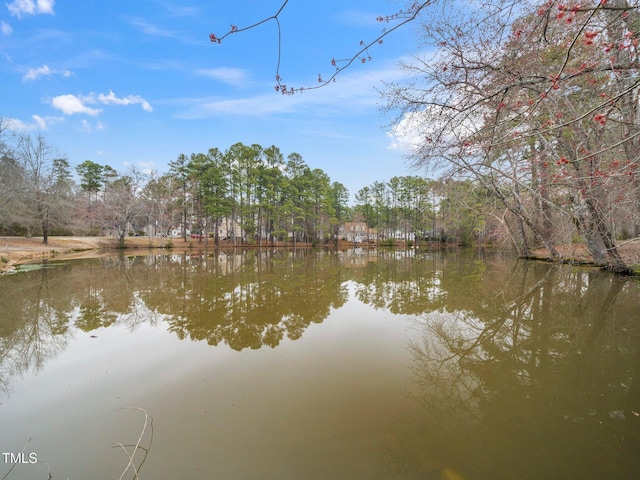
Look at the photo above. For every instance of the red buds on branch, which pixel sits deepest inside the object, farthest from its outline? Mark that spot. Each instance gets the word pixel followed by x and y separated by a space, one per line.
pixel 403 17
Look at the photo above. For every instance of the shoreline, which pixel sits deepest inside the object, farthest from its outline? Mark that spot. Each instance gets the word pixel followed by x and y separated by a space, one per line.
pixel 15 251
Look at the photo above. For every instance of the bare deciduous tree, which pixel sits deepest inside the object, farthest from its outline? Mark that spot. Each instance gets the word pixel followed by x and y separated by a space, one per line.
pixel 538 102
pixel 46 186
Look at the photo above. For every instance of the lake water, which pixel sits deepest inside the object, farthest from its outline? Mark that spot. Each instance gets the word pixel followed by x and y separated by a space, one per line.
pixel 319 365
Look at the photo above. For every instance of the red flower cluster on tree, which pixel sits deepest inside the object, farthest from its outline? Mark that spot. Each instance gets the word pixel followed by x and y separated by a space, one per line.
pixel 589 37
pixel 600 118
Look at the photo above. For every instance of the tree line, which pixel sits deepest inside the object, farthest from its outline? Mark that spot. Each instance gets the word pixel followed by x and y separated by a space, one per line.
pixel 415 208
pixel 259 195
pixel 246 194
pixel 253 194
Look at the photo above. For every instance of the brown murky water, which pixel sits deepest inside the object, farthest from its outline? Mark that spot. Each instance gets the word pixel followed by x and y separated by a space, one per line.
pixel 319 365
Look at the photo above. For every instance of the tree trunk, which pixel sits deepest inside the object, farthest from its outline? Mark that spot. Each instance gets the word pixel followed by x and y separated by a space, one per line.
pixel 45 232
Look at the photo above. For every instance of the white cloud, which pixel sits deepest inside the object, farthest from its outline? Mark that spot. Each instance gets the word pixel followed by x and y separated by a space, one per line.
pixel 70 104
pixel 151 29
pixel 18 8
pixel 232 76
pixel 44 122
pixel 146 168
pixel 46 6
pixel 253 106
pixel 5 28
pixel 354 90
pixel 406 134
pixel 90 128
pixel 43 71
pixel 179 11
pixel 17 125
pixel 41 123
pixel 35 73
pixel 417 130
pixel 358 18
pixel 111 99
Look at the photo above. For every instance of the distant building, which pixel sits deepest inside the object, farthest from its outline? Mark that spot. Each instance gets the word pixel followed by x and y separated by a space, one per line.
pixel 227 228
pixel 358 232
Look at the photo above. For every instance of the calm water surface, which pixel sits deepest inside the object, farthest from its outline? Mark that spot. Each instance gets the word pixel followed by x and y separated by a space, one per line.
pixel 318 365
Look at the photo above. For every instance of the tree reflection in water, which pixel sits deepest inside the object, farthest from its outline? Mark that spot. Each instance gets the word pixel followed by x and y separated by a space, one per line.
pixel 33 325
pixel 246 300
pixel 253 301
pixel 521 369
pixel 541 374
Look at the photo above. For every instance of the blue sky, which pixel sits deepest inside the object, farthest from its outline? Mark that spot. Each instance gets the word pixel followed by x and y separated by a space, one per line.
pixel 123 82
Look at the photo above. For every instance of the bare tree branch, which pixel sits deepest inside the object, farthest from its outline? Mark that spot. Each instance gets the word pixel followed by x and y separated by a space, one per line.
pixel 402 17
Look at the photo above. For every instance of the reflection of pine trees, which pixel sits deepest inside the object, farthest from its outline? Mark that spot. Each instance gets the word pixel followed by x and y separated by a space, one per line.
pixel 410 283
pixel 257 301
pixel 533 363
pixel 245 300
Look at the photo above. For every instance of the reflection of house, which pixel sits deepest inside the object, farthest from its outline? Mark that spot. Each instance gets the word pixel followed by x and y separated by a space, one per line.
pixel 358 232
pixel 358 257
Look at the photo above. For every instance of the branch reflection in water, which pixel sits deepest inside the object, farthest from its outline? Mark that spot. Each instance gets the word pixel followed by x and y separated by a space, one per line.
pixel 537 379
pixel 518 369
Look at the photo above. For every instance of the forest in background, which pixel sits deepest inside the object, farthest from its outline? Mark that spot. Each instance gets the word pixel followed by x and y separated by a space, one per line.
pixel 253 194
